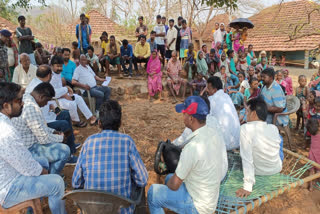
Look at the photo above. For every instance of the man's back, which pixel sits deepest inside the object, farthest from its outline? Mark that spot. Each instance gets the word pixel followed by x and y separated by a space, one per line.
pixel 200 167
pixel 109 161
pixel 264 141
pixel 223 109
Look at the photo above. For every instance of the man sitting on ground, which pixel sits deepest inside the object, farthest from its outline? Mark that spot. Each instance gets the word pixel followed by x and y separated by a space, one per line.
pixel 115 154
pixel 68 67
pixel 194 187
pixel 66 98
pixel 126 57
pixel 86 79
pixel 113 55
pixel 41 140
pixel 58 120
pixel 141 52
pixel 21 177
pixel 259 146
pixel 24 72
pixel 274 97
pixel 93 59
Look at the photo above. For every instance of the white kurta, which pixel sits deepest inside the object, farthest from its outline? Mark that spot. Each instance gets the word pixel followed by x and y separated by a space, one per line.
pixel 71 105
pixel 22 78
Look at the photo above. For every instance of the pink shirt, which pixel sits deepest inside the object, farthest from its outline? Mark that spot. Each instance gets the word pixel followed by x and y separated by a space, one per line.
pixel 288 86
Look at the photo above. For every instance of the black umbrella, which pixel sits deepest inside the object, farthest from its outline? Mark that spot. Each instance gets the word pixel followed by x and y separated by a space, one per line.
pixel 241 22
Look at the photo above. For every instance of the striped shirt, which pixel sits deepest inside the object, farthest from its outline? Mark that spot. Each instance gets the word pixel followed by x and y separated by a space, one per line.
pixel 110 161
pixel 275 97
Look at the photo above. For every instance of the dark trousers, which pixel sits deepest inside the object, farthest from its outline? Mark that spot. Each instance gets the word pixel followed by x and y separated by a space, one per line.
pixel 123 64
pixel 63 124
pixel 101 93
pixel 136 61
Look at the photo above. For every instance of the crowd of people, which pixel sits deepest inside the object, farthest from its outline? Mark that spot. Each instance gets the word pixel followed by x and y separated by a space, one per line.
pixel 40 107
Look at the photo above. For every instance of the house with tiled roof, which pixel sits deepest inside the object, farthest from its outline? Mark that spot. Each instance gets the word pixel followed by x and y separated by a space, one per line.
pixel 291 28
pixel 100 23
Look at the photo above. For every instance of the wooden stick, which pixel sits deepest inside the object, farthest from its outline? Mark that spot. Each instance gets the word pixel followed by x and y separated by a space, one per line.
pixel 275 194
pixel 301 157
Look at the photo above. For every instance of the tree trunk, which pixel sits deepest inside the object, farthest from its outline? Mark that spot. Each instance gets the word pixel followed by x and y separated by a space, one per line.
pixel 180 4
pixel 191 13
pixel 167 9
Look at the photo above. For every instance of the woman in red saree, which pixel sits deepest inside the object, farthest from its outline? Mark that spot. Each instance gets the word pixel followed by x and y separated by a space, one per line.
pixel 154 75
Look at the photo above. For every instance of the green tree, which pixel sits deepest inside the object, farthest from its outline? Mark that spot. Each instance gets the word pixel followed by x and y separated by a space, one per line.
pixel 230 4
pixel 26 4
pixel 6 11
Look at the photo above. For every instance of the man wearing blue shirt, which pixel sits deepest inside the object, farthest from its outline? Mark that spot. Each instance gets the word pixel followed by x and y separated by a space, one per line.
pixel 126 57
pixel 83 33
pixel 109 161
pixel 68 66
pixel 152 41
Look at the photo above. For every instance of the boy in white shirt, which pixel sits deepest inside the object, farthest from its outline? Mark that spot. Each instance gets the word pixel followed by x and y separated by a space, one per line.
pixel 260 145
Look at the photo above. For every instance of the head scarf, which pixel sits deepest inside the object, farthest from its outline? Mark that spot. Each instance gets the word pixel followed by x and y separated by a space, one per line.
pixel 202 66
pixel 216 48
pixel 154 65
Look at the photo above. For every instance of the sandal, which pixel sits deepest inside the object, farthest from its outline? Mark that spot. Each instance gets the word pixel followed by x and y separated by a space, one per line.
pixel 94 123
pixel 81 124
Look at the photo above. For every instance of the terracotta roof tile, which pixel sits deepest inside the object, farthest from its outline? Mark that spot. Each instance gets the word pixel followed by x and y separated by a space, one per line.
pixel 273 26
pixel 100 23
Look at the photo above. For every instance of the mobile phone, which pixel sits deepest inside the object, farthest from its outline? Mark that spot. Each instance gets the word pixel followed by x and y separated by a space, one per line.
pixel 57 110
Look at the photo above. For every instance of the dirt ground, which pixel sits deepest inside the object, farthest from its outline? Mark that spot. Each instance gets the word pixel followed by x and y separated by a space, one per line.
pixel 148 123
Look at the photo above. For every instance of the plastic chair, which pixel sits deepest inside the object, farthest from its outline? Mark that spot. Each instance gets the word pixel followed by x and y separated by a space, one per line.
pixel 101 202
pixel 293 105
pixel 35 204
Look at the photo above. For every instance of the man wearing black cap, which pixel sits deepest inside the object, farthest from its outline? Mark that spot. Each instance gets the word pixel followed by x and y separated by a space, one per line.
pixel 194 187
pixel 178 27
pixel 141 29
pixel 4 67
pixel 25 37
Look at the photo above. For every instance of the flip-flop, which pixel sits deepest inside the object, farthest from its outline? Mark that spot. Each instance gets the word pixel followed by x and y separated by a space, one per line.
pixel 81 124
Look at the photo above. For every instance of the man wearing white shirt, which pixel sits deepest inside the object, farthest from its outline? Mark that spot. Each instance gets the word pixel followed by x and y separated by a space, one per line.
pixel 194 187
pixel 171 39
pixel 60 121
pixel 160 35
pixel 24 72
pixel 85 78
pixel 224 111
pixel 66 98
pixel 259 146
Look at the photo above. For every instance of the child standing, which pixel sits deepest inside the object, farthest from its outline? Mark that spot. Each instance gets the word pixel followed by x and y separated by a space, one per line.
pixel 288 80
pixel 313 128
pixel 281 82
pixel 274 60
pixel 75 53
pixel 302 92
pixel 229 38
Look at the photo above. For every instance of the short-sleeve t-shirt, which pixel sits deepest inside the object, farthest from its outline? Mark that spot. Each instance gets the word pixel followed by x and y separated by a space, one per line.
pixel 68 70
pixel 85 75
pixel 160 29
pixel 104 46
pixel 142 29
pixel 25 46
pixel 200 168
pixel 114 50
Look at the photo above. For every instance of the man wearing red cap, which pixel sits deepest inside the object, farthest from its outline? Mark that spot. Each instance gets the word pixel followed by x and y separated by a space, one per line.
pixel 194 187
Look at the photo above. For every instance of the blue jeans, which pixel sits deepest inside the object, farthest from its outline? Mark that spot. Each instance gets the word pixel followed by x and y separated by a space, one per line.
pixel 101 94
pixel 57 155
pixel 123 63
pixel 31 187
pixel 160 196
pixel 62 124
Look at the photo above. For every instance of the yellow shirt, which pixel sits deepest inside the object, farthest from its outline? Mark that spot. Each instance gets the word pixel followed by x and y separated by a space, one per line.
pixel 140 50
pixel 108 51
pixel 186 54
pixel 104 46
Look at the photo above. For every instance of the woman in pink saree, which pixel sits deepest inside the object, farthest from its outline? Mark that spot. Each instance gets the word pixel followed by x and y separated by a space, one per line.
pixel 154 75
